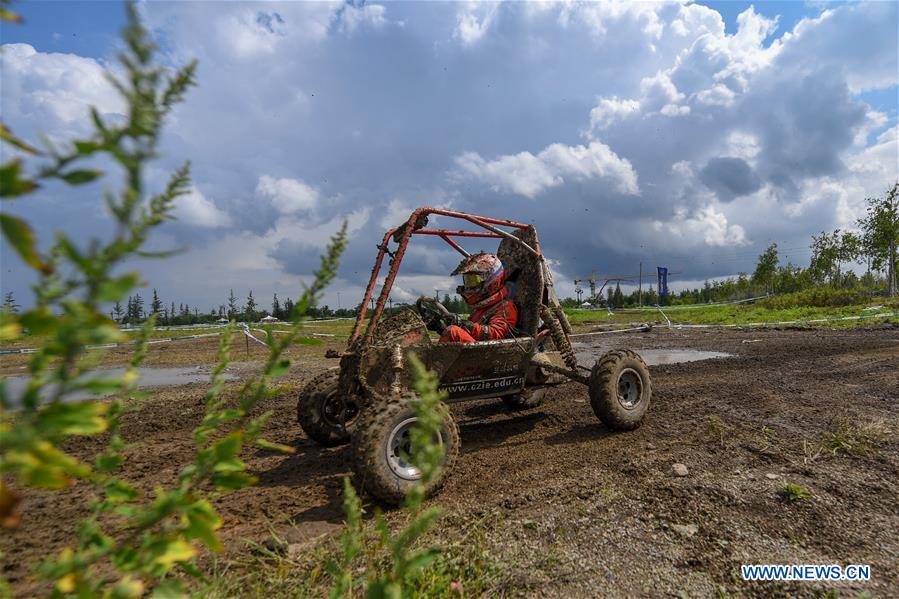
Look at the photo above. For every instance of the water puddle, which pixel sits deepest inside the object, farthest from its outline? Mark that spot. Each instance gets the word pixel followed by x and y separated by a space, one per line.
pixel 588 352
pixel 149 378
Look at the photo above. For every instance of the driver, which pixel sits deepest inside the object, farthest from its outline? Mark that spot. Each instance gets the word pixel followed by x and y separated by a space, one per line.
pixel 484 289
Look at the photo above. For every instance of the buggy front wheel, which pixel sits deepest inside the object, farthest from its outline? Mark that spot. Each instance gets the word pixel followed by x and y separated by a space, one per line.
pixel 620 389
pixel 382 449
pixel 323 414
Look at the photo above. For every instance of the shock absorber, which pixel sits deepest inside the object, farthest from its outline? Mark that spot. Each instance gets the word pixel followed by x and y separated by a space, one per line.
pixel 559 337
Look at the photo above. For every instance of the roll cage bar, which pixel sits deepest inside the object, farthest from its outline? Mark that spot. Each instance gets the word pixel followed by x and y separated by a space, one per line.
pixel 415 225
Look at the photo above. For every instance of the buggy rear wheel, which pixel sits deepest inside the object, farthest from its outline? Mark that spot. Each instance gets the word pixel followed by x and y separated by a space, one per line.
pixel 382 446
pixel 620 389
pixel 525 399
pixel 323 414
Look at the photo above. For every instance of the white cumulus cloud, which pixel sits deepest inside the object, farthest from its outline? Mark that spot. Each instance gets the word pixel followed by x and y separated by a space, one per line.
pixel 708 224
pixel 528 175
pixel 287 195
pixel 474 20
pixel 196 209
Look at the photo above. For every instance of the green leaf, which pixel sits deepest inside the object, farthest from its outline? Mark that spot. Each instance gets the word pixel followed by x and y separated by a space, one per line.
pixel 77 418
pixel 80 177
pixel 232 480
pixel 229 465
pixel 21 238
pixel 118 491
pixel 201 522
pixel 11 184
pixel 280 369
pixel 10 138
pixel 8 15
pixel 126 588
pixel 108 462
pixel 113 290
pixel 169 589
pixel 85 148
pixel 262 443
pixel 171 550
pixel 39 321
pixel 42 465
pixel 229 447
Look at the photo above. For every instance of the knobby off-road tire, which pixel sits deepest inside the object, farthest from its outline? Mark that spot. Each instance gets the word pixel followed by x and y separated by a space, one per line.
pixel 526 399
pixel 379 438
pixel 316 414
pixel 620 389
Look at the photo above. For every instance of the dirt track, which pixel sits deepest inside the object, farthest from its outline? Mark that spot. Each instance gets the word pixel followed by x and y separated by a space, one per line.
pixel 573 509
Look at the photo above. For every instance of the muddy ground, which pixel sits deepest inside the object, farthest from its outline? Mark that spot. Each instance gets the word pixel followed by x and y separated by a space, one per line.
pixel 569 508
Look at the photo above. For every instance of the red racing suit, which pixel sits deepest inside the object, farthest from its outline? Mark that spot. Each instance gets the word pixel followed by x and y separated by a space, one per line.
pixel 494 321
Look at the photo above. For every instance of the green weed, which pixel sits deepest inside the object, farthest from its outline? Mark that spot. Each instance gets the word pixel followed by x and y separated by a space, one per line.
pixel 792 492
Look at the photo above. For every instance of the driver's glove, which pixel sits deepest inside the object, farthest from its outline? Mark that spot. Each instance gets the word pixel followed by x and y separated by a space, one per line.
pixel 450 320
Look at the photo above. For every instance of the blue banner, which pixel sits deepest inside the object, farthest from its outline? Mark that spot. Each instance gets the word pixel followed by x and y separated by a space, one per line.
pixel 663 281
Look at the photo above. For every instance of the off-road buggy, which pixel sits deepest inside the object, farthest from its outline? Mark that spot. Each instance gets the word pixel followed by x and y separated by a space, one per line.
pixel 367 399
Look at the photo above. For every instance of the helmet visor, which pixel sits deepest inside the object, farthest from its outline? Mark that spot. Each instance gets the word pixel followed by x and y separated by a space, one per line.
pixel 472 280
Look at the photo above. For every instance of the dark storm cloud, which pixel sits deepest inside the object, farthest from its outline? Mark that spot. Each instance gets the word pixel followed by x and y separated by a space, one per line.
pixel 729 177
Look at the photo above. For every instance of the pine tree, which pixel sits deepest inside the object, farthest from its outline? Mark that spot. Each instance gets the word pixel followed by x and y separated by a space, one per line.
pixel 156 304
pixel 276 307
pixel 172 314
pixel 618 298
pixel 138 307
pixel 288 309
pixel 117 311
pixel 9 304
pixel 250 309
pixel 232 305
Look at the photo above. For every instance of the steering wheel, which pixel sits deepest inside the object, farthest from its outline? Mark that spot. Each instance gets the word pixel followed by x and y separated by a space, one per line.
pixel 435 316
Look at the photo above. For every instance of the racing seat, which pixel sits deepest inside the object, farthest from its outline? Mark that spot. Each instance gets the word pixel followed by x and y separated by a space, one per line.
pixel 524 278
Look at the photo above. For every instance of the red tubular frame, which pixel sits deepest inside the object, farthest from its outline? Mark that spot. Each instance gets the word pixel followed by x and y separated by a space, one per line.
pixel 408 229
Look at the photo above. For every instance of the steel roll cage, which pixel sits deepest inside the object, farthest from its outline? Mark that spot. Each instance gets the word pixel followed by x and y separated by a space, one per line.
pixel 415 225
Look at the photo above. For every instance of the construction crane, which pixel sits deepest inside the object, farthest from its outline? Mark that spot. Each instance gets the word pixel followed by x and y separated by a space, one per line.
pixel 579 291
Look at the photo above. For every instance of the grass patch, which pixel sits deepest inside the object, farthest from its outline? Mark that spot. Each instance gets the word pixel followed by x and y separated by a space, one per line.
pixel 792 492
pixel 854 438
pixel 464 567
pixel 740 314
pixel 717 430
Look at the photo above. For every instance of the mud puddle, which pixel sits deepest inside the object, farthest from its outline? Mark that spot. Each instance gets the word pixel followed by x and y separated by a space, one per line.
pixel 587 353
pixel 149 377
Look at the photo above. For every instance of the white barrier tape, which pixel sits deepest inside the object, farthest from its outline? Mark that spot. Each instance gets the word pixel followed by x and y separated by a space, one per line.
pixel 315 334
pixel 692 306
pixel 643 328
pixel 246 331
pixel 665 315
pixel 31 350
pixel 785 322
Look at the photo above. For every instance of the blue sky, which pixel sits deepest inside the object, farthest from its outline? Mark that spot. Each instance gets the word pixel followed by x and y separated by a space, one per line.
pixel 690 136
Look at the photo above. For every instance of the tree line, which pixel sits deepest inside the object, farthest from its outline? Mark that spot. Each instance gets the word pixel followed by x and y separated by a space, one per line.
pixel 874 243
pixel 134 310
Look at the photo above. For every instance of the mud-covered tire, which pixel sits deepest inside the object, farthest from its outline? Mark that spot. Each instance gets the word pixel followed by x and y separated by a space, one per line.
pixel 313 412
pixel 526 399
pixel 620 389
pixel 376 458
